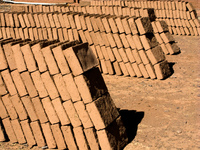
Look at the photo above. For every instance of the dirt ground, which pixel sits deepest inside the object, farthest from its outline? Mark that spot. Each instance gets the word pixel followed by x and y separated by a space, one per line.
pixel 159 114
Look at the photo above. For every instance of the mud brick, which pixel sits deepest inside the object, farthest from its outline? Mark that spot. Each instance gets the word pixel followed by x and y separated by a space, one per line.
pixel 174 31
pixel 77 62
pixel 129 54
pixel 8 32
pixel 7 19
pixel 189 6
pixel 109 67
pixel 80 138
pixel 21 20
pixel 60 35
pixel 167 37
pixel 111 40
pixel 136 56
pixel 4 32
pixel 191 31
pixel 29 108
pixel 3 64
pixel 91 138
pixel 82 22
pixel 26 20
pixel 143 71
pixel 50 111
pixel 31 20
pixel 10 18
pixel 94 50
pixel 35 33
pixel 102 111
pixel 88 37
pixel 137 41
pixel 9 56
pixel 70 35
pixel 143 56
pixel 83 115
pixel 66 21
pixel 94 23
pixel 148 41
pixel 72 113
pixel 162 70
pixel 112 25
pixel 106 24
pixel 158 38
pixel 56 20
pixel 117 68
pixel 110 54
pixel 61 20
pixel 155 55
pixel 114 136
pixel 99 52
pixel 46 128
pixel 15 20
pixel 9 82
pixel 71 21
pixel 36 129
pixel 144 25
pixel 2 17
pixel 28 133
pixel 116 54
pixel 100 24
pixel 82 36
pixel 44 33
pixel 196 22
pixel 46 20
pixel 42 20
pixel 124 69
pixel 18 131
pixel 100 39
pixel 120 27
pixel 117 40
pixel 94 38
pixel 150 71
pixel 59 56
pixel 164 48
pixel 3 111
pixel 172 48
pixel 124 40
pixel 37 21
pixel 19 83
pixel 40 35
pixel 29 84
pixel 17 103
pixel 28 57
pixel 75 34
pixel 71 87
pixel 123 55
pixel 69 137
pixel 130 70
pixel 104 52
pixel 12 33
pixel 9 130
pixel 50 61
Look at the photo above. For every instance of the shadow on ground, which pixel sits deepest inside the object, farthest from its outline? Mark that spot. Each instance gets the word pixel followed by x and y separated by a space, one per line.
pixel 131 119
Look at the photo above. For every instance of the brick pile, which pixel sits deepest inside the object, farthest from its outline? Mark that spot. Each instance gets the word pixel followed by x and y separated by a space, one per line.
pixel 49 96
pixel 180 16
pixel 114 40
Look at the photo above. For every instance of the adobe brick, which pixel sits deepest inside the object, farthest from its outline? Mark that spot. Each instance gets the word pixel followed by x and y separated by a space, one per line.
pixel 46 20
pixel 3 111
pixel 40 35
pixel 72 113
pixel 71 87
pixel 123 55
pixel 9 130
pixel 91 137
pixel 144 25
pixel 167 37
pixel 77 62
pixel 102 111
pixel 80 138
pixel 132 25
pixel 46 128
pixel 124 69
pixel 129 54
pixel 99 52
pixel 111 39
pixel 29 108
pixel 126 26
pixel 36 129
pixel 104 52
pixel 162 70
pixel 71 20
pixel 7 19
pixel 82 22
pixel 103 66
pixel 117 40
pixel 69 137
pixel 109 67
pixel 66 21
pixel 9 82
pixel 60 35
pixel 106 24
pixel 75 34
pixel 10 17
pixel 130 69
pixel 114 136
pixel 143 71
pixel 16 20
pixel 120 27
pixel 56 20
pixel 18 131
pixel 83 114
pixel 137 41
pixel 28 133
pixel 70 35
pixel 26 20
pixel 12 33
pixel 35 33
pixel 44 33
pixel 117 55
pixel 21 20
pixel 4 32
pixel 3 64
pixel 37 22
pixel 112 25
pixel 31 20
pixel 143 56
pixel 172 48
pixel 8 32
pixel 150 71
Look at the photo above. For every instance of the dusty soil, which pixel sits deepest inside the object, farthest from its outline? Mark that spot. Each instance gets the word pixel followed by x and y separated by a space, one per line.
pixel 159 114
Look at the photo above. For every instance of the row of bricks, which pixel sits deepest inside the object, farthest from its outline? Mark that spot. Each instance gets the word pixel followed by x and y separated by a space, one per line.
pixel 171 5
pixel 91 23
pixel 100 121
pixel 64 137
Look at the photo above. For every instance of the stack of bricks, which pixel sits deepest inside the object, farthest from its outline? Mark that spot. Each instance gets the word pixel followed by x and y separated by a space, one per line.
pixel 49 97
pixel 179 15
pixel 113 39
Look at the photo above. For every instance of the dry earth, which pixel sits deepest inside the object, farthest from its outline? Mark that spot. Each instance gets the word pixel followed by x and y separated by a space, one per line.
pixel 159 114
